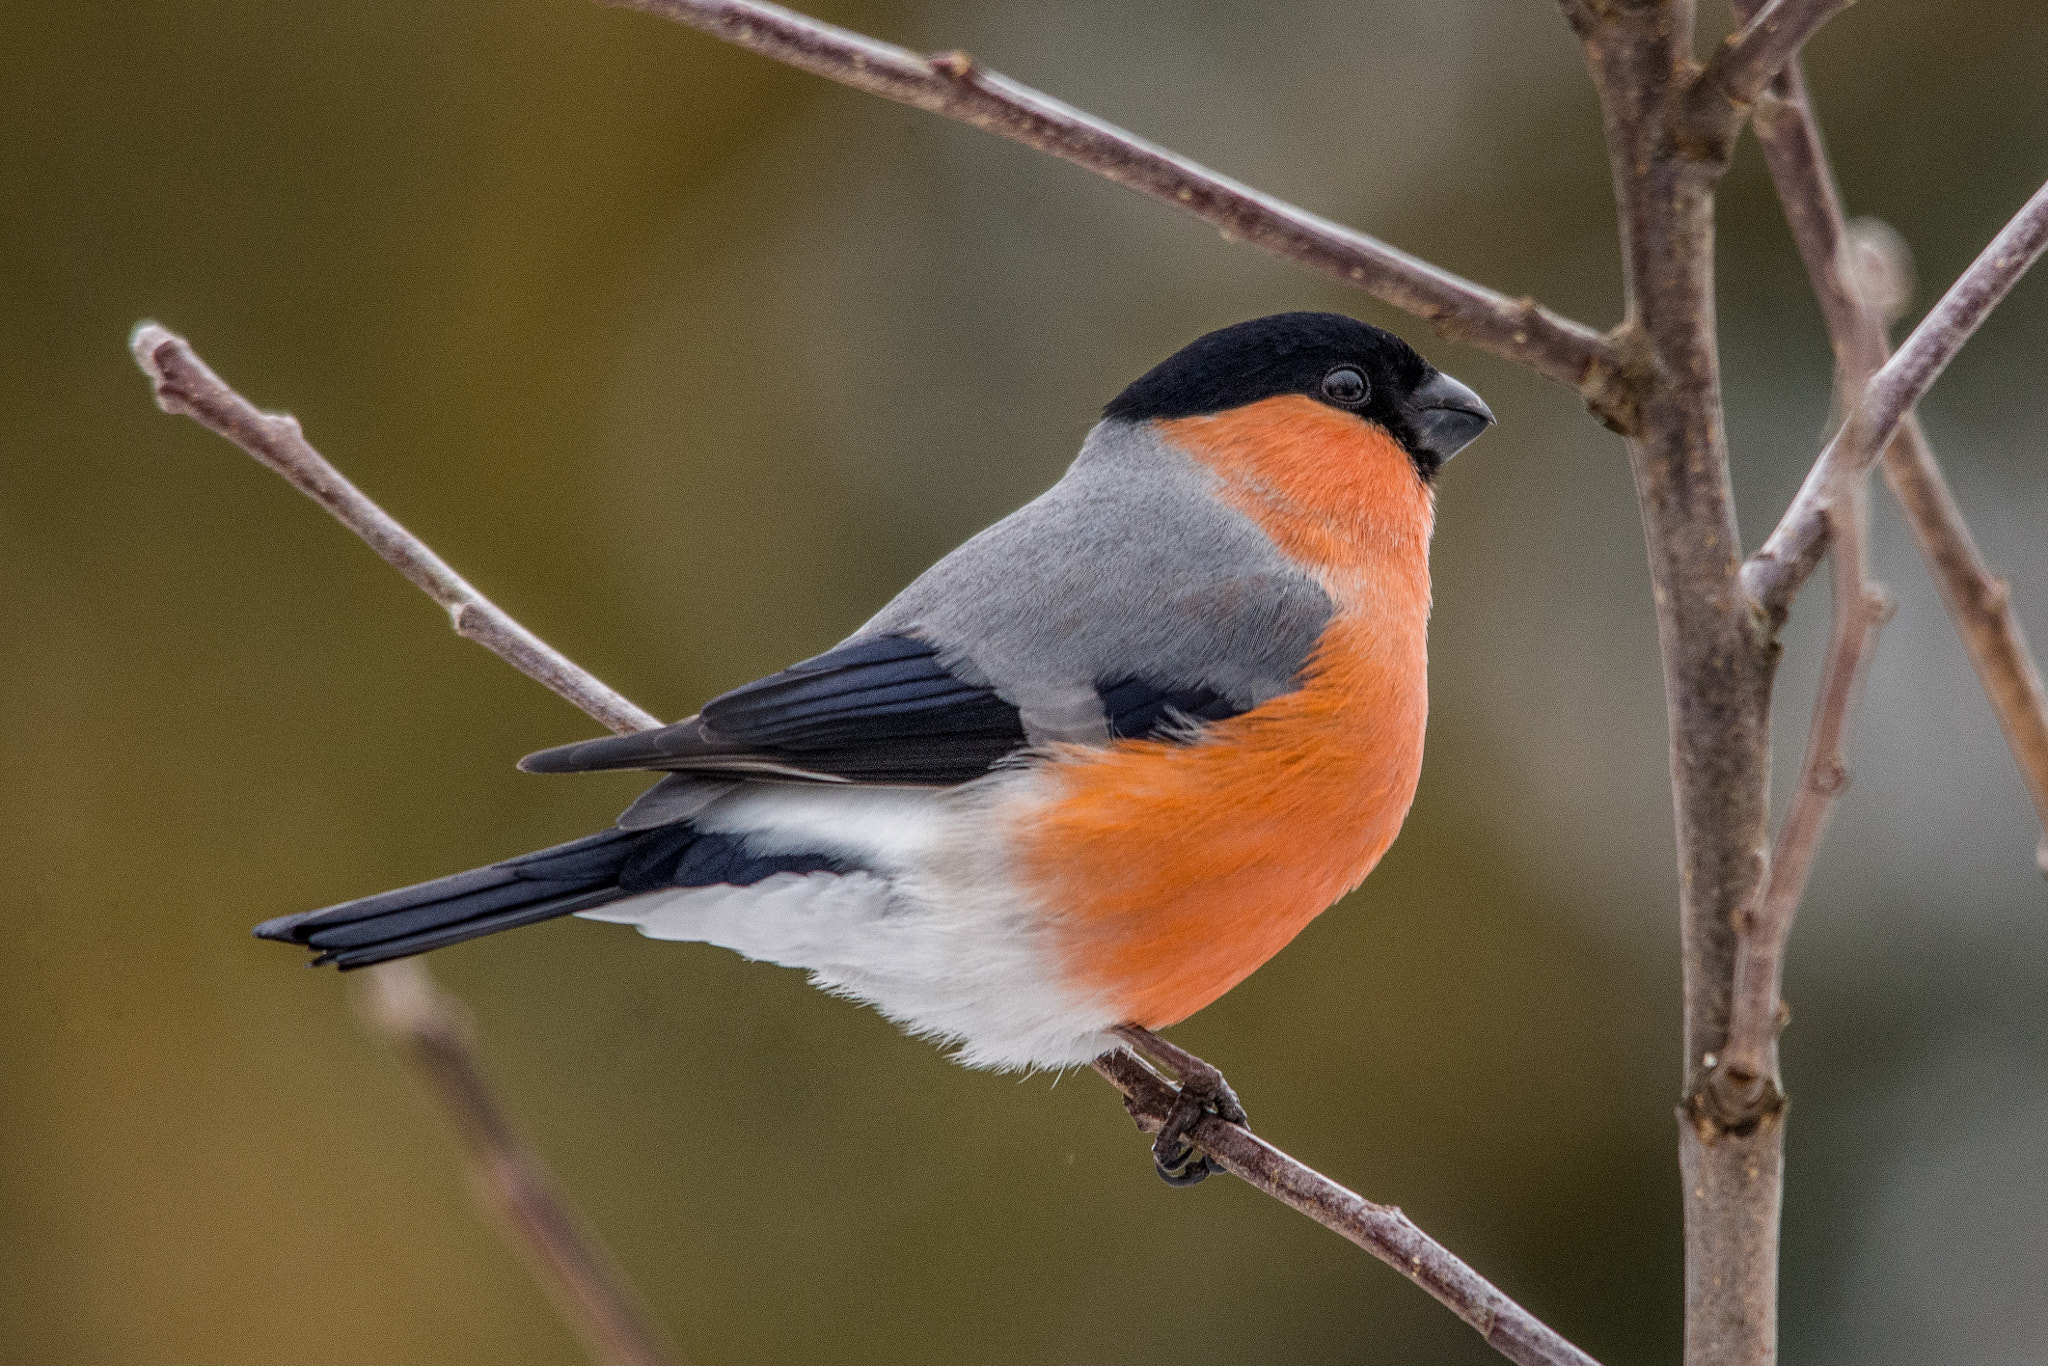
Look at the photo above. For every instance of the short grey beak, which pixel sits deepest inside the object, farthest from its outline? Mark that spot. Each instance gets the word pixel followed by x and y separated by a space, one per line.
pixel 1448 416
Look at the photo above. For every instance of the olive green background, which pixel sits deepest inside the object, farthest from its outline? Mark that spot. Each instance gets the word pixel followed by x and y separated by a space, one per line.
pixel 691 361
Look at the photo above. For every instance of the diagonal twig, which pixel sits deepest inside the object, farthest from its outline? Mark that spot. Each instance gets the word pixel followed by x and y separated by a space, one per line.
pixel 184 385
pixel 1788 556
pixel 402 1002
pixel 953 85
pixel 1380 1229
pixel 1978 601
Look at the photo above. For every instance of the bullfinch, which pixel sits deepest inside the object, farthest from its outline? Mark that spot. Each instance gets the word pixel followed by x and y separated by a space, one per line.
pixel 1090 769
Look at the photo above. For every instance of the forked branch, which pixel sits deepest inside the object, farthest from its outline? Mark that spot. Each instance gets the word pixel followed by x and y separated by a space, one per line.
pixel 276 441
pixel 1774 574
pixel 1751 57
pixel 1978 601
pixel 1741 1087
pixel 952 84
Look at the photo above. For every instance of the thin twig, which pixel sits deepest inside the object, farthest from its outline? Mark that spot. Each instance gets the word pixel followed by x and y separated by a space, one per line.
pixel 1774 574
pixel 184 385
pixel 1980 606
pixel 1869 293
pixel 1789 134
pixel 953 85
pixel 1742 1086
pixel 401 1001
pixel 1753 55
pixel 1978 601
pixel 1380 1229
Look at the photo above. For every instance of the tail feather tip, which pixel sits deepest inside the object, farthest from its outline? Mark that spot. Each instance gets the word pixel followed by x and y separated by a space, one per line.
pixel 282 929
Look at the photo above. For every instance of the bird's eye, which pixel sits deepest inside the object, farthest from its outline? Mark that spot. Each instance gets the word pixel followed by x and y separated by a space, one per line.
pixel 1345 385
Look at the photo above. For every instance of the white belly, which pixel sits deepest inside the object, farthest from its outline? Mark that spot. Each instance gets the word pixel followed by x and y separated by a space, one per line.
pixel 932 933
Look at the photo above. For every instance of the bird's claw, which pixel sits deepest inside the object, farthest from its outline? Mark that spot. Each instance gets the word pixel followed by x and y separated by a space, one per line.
pixel 1203 1091
pixel 1178 1161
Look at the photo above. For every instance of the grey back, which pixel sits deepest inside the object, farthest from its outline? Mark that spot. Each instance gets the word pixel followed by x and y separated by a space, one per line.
pixel 1128 568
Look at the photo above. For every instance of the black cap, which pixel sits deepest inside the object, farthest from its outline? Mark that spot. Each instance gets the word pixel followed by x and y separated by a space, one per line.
pixel 1338 361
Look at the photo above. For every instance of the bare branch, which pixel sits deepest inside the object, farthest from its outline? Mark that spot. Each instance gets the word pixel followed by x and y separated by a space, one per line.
pixel 185 385
pixel 1382 1230
pixel 1774 574
pixel 1865 291
pixel 1752 57
pixel 1511 1329
pixel 1717 666
pixel 1978 601
pixel 1742 1087
pixel 402 1002
pixel 952 84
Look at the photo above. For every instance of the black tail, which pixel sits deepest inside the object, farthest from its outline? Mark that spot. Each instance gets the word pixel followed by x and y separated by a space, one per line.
pixel 578 876
pixel 522 891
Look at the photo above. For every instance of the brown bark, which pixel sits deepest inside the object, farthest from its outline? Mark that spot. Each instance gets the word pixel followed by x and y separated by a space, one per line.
pixel 1718 663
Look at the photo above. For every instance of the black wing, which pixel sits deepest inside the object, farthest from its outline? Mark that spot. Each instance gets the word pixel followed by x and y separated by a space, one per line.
pixel 878 710
pixel 1138 709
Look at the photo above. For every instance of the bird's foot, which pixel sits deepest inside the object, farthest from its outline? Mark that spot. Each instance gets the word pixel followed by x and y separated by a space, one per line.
pixel 1203 1091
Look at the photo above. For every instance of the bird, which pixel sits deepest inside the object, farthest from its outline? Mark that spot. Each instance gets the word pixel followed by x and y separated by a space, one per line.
pixel 1084 774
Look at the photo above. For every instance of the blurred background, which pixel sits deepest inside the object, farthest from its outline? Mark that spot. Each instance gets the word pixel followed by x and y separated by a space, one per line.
pixel 691 361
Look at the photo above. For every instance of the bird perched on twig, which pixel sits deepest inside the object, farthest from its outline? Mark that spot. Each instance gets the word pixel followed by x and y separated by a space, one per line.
pixel 1085 773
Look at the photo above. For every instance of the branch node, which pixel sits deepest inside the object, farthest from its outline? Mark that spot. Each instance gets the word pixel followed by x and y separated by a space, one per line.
pixel 1706 121
pixel 1830 778
pixel 955 65
pixel 1622 370
pixel 1704 128
pixel 1733 1098
pixel 1381 1230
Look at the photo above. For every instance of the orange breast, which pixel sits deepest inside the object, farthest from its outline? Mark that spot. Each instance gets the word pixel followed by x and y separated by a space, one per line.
pixel 1173 870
